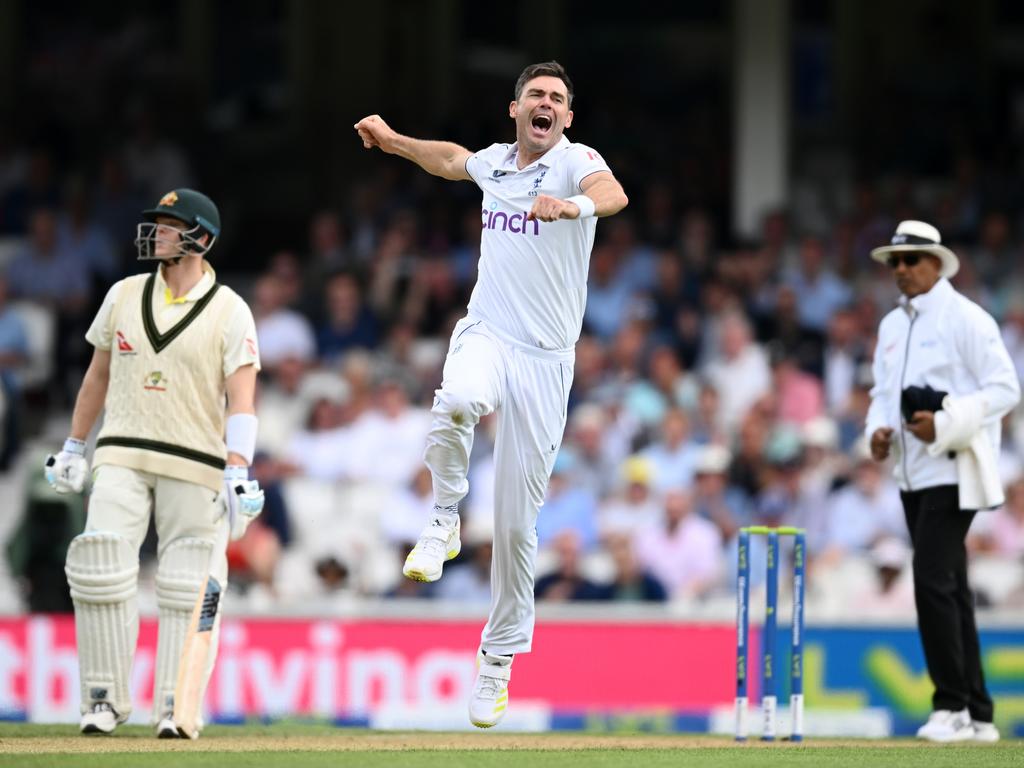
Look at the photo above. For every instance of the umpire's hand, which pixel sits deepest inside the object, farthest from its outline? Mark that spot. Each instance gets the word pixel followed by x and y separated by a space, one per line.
pixel 880 442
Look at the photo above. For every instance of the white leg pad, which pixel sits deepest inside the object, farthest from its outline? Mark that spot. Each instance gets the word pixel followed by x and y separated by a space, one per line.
pixel 179 577
pixel 102 570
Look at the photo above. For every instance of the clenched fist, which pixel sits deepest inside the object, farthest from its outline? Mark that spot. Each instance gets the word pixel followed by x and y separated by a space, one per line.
pixel 547 208
pixel 374 132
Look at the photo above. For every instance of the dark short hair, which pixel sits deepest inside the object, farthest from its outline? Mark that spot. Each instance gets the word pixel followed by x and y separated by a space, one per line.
pixel 544 69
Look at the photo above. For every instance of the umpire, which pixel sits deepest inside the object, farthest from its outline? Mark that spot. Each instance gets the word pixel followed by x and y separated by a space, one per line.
pixel 943 381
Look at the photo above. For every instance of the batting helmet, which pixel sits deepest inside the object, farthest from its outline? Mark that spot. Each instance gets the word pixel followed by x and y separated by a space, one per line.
pixel 194 209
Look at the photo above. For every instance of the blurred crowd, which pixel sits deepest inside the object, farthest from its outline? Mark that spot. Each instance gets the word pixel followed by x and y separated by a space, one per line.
pixel 717 384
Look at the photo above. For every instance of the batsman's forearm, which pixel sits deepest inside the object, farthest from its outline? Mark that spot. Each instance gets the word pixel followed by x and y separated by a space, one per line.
pixel 436 157
pixel 88 404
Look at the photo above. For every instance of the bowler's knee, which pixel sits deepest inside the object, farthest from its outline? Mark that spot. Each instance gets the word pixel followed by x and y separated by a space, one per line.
pixel 459 407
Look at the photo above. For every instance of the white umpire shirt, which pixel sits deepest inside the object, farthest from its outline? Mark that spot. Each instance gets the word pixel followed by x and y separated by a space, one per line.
pixel 944 340
pixel 532 284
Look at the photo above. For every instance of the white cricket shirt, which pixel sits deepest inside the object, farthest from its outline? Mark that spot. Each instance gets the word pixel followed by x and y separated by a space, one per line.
pixel 944 340
pixel 532 282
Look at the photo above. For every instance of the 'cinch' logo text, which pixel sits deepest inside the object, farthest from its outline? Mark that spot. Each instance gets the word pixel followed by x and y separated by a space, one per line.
pixel 503 222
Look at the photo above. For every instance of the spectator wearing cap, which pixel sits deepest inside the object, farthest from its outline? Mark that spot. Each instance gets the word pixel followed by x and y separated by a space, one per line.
pixel 825 467
pixel 635 506
pixel 683 551
pixel 283 333
pixel 890 594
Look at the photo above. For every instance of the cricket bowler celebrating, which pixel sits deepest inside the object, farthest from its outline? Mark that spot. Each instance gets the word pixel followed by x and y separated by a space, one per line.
pixel 170 345
pixel 514 351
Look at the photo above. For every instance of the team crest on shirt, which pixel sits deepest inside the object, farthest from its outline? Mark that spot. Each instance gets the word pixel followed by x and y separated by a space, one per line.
pixel 537 182
pixel 155 382
pixel 123 347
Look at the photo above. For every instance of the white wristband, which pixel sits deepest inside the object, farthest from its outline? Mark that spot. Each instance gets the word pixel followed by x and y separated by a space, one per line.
pixel 72 445
pixel 584 203
pixel 240 435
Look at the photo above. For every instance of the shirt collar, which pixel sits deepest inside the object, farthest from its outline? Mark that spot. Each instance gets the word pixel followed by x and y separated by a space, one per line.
pixel 508 162
pixel 198 290
pixel 928 302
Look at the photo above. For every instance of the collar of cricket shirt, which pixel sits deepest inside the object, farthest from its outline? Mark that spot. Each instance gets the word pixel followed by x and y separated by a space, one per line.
pixel 928 302
pixel 199 290
pixel 508 162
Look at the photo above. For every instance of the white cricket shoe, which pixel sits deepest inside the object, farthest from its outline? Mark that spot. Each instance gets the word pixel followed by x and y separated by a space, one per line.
pixel 438 543
pixel 944 726
pixel 984 732
pixel 168 729
pixel 489 701
pixel 100 719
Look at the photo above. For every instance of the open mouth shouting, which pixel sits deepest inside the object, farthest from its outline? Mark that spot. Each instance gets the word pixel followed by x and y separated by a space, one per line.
pixel 541 125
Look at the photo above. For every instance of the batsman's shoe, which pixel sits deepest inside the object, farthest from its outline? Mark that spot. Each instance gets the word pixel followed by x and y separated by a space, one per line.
pixel 438 544
pixel 168 729
pixel 986 733
pixel 100 719
pixel 945 726
pixel 489 701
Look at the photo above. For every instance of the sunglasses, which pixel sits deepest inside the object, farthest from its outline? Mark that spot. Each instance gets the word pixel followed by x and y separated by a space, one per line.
pixel 910 259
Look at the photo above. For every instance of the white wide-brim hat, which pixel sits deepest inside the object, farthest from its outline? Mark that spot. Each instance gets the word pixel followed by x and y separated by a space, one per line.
pixel 919 236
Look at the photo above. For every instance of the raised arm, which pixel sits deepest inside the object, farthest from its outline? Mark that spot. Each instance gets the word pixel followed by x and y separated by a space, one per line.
pixel 441 158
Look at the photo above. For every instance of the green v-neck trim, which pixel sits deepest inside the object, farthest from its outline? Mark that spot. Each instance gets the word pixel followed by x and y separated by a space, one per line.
pixel 161 340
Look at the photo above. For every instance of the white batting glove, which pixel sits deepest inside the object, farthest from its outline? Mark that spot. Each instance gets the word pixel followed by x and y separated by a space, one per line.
pixel 68 470
pixel 241 499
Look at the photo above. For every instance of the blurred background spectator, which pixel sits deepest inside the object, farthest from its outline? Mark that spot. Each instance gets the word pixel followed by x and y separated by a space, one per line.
pixel 723 371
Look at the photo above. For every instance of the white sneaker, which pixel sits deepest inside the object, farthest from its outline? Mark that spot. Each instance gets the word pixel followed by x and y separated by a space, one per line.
pixel 100 719
pixel 984 732
pixel 489 701
pixel 438 543
pixel 168 729
pixel 944 725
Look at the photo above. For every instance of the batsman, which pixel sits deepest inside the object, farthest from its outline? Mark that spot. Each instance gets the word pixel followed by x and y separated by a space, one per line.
pixel 174 371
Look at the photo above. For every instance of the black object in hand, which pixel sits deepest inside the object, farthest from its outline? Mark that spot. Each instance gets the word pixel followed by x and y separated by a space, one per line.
pixel 914 399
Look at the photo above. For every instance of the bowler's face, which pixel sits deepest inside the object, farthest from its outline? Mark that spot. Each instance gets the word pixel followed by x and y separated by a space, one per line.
pixel 542 113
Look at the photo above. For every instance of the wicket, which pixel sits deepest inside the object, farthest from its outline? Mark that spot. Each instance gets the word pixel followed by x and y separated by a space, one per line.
pixel 769 697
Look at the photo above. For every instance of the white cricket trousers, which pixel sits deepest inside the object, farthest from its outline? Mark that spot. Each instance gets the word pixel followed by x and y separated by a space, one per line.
pixel 529 388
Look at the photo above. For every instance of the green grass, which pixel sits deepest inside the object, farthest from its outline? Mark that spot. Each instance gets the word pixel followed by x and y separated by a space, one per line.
pixel 315 746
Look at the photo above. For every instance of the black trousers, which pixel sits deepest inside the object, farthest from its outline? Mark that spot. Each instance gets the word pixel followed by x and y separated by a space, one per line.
pixel 945 606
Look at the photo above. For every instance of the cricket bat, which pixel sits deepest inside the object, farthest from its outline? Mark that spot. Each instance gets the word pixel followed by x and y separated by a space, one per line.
pixel 195 652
